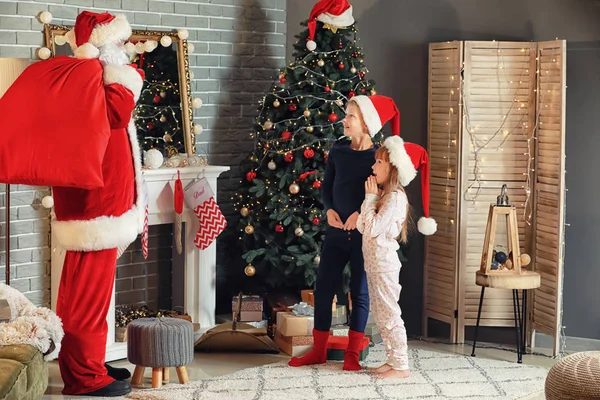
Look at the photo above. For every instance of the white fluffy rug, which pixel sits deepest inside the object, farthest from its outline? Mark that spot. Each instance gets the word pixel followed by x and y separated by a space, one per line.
pixel 433 376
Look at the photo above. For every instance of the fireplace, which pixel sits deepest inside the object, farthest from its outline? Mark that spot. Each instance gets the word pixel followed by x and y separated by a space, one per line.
pixel 199 266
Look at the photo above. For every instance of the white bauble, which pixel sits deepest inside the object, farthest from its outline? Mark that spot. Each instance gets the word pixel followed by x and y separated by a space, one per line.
pixel 44 53
pixel 311 45
pixel 153 159
pixel 60 40
pixel 48 202
pixel 197 102
pixel 46 17
pixel 130 48
pixel 197 129
pixel 166 41
pixel 191 47
pixel 272 165
pixel 183 34
pixel 140 47
pixel 150 45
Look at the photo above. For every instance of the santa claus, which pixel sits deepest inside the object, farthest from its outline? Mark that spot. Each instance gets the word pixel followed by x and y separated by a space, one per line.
pixel 87 150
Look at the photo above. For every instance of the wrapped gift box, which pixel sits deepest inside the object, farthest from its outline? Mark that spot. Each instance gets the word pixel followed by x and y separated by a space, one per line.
pixel 308 296
pixel 252 308
pixel 339 330
pixel 339 316
pixel 373 332
pixel 289 324
pixel 336 346
pixel 294 346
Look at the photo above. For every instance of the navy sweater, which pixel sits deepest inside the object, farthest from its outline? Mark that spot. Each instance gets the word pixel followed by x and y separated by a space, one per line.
pixel 345 175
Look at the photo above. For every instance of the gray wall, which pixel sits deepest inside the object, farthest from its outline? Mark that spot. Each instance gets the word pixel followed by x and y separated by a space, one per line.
pixel 395 37
pixel 239 46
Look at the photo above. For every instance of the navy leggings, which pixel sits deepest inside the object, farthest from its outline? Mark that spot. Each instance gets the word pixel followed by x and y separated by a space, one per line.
pixel 339 248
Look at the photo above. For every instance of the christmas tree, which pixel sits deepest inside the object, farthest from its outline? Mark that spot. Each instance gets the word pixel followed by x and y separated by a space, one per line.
pixel 282 222
pixel 158 115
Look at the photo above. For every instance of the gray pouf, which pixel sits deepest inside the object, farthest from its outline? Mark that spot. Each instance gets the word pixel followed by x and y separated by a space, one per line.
pixel 575 377
pixel 160 343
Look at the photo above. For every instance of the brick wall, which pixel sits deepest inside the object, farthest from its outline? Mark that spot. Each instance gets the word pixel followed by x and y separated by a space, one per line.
pixel 239 45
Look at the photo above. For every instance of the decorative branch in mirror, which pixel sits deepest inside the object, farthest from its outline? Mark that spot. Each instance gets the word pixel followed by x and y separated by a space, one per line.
pixel 163 115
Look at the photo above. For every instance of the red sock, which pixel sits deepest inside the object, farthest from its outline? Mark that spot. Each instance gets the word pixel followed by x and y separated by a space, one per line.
pixel 351 356
pixel 318 354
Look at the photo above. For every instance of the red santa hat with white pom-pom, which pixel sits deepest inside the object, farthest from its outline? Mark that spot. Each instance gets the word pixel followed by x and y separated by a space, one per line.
pixel 94 30
pixel 333 12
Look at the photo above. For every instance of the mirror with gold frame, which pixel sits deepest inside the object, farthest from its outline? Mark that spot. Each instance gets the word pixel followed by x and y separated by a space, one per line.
pixel 163 115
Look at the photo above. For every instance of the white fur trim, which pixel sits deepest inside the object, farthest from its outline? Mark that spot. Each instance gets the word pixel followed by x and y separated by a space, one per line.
pixel 36 326
pixel 400 159
pixel 113 54
pixel 86 50
pixel 369 113
pixel 97 234
pixel 117 30
pixel 124 75
pixel 345 19
pixel 141 190
pixel 427 226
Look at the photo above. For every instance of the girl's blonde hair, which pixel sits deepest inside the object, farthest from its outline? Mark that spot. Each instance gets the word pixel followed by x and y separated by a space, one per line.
pixel 393 183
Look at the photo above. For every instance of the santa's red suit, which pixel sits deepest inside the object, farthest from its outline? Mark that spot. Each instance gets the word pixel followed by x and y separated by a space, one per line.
pixel 90 155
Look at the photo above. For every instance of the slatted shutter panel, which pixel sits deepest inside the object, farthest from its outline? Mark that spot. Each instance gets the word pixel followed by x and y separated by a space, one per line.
pixel 550 189
pixel 441 257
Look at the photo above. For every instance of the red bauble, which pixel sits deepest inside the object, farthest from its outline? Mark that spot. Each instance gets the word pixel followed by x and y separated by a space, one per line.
pixel 286 135
pixel 340 46
pixel 250 176
pixel 325 155
pixel 150 126
pixel 355 55
pixel 362 74
pixel 341 65
pixel 327 89
pixel 282 80
pixel 279 228
pixel 293 107
pixel 289 157
pixel 316 221
pixel 157 99
pixel 333 118
pixel 309 153
pixel 351 94
pixel 363 90
pixel 317 184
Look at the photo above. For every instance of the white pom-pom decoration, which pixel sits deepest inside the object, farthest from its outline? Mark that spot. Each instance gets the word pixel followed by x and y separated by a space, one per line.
pixel 183 34
pixel 48 202
pixel 150 45
pixel 311 45
pixel 191 47
pixel 197 102
pixel 197 129
pixel 427 226
pixel 60 40
pixel 140 47
pixel 46 17
pixel 272 166
pixel 44 53
pixel 130 48
pixel 153 159
pixel 166 41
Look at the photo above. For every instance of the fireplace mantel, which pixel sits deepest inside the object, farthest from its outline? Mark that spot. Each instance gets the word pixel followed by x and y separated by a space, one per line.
pixel 199 265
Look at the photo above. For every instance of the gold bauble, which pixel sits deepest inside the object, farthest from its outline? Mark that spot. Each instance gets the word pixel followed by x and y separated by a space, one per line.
pixel 250 270
pixel 307 113
pixel 249 229
pixel 163 118
pixel 267 125
pixel 168 138
pixel 525 259
pixel 299 231
pixel 276 103
pixel 317 259
pixel 294 188
pixel 310 129
pixel 353 70
pixel 163 94
pixel 320 63
pixel 373 92
pixel 244 211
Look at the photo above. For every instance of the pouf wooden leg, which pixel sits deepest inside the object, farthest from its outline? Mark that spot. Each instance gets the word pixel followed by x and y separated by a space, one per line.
pixel 182 374
pixel 166 374
pixel 157 377
pixel 138 375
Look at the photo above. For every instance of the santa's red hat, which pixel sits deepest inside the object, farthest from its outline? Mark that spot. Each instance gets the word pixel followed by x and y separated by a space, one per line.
pixel 408 158
pixel 333 12
pixel 376 111
pixel 94 30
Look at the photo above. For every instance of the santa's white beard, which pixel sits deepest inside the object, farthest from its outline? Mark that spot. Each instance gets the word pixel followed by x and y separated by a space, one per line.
pixel 113 54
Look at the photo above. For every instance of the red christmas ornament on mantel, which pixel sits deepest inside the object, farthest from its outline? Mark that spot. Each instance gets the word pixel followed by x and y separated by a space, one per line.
pixel 309 153
pixel 289 157
pixel 316 221
pixel 333 118
pixel 250 176
pixel 279 228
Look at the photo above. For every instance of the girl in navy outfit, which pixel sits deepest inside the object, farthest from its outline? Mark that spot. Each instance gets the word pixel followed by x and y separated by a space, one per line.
pixel 348 167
